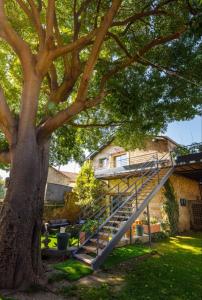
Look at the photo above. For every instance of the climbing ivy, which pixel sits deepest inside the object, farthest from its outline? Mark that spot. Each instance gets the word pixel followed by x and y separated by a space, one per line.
pixel 171 207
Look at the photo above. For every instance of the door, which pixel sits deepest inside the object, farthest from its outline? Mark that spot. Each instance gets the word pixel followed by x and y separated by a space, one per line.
pixel 196 214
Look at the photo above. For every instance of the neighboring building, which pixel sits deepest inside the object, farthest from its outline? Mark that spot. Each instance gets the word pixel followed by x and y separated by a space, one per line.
pixel 58 183
pixel 113 164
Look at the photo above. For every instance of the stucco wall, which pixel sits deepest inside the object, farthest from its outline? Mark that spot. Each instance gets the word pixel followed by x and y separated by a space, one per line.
pixel 56 177
pixel 55 192
pixel 161 146
pixel 189 190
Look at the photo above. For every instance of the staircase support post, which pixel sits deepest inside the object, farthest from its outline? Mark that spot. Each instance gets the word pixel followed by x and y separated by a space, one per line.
pixel 158 168
pixel 149 227
pixel 136 195
pixel 131 235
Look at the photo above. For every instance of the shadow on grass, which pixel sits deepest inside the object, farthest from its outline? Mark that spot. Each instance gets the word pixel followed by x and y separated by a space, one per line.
pixel 175 274
pixel 71 270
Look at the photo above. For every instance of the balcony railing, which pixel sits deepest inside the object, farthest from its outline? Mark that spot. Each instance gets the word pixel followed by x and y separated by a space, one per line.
pixel 131 164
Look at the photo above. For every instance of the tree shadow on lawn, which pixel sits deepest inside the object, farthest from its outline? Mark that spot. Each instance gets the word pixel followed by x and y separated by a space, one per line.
pixel 173 274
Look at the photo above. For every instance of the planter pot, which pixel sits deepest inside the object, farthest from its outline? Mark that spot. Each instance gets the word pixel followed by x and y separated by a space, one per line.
pixel 62 240
pixel 153 228
pixel 83 236
pixel 139 230
pixel 133 231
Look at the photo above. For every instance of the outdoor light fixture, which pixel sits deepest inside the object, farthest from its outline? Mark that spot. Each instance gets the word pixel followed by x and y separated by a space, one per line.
pixel 183 202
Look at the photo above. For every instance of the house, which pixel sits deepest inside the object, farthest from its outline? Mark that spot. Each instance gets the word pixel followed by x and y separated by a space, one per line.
pixel 136 187
pixel 113 163
pixel 58 183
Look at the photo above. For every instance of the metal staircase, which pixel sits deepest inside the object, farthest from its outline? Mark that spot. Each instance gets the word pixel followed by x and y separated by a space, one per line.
pixel 112 225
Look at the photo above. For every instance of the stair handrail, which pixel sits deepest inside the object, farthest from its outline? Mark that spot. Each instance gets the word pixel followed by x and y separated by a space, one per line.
pixel 131 197
pixel 101 211
pixel 154 171
pixel 147 164
pixel 105 193
pixel 134 183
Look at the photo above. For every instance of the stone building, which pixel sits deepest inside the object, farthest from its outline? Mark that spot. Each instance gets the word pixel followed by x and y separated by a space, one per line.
pixel 58 183
pixel 115 165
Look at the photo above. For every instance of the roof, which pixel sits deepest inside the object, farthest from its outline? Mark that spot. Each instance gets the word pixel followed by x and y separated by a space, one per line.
pixel 93 154
pixel 165 137
pixel 70 175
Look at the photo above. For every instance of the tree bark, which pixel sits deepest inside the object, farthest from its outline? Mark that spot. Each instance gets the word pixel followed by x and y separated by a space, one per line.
pixel 21 215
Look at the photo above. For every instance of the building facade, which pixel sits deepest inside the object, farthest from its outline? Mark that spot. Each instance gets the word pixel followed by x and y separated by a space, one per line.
pixel 120 168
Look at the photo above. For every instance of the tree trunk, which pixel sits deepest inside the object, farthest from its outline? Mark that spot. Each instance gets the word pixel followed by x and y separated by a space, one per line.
pixel 21 215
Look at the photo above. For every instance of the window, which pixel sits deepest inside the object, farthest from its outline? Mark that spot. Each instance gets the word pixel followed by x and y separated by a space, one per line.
pixel 103 162
pixel 121 160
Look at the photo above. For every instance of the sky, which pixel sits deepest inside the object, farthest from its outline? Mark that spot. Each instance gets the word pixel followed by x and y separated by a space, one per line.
pixel 183 132
pixel 186 132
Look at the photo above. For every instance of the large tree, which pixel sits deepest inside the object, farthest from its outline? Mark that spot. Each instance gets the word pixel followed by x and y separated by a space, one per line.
pixel 131 65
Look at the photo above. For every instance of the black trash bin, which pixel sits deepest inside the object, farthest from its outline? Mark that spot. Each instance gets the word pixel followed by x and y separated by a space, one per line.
pixel 139 230
pixel 62 240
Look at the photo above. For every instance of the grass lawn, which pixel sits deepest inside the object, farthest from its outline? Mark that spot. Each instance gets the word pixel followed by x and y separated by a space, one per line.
pixel 122 254
pixel 175 273
pixel 71 270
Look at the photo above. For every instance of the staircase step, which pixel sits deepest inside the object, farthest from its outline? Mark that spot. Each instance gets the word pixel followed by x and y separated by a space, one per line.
pixel 111 228
pixel 120 217
pixel 102 243
pixel 84 257
pixel 92 249
pixel 104 234
pixel 115 222
pixel 124 212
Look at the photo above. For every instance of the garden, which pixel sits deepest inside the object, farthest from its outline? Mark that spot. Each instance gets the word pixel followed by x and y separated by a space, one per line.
pixel 170 270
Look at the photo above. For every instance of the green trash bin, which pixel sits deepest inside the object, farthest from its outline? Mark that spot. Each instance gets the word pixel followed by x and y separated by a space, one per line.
pixel 139 230
pixel 62 240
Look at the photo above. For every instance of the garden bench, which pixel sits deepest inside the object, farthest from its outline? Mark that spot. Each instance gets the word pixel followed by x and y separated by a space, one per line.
pixel 55 224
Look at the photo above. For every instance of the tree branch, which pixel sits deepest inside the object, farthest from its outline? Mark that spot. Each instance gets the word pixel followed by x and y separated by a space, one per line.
pixel 76 45
pixel 119 43
pixel 60 43
pixel 67 114
pixel 16 42
pixel 83 7
pixel 145 61
pixel 91 125
pixel 139 16
pixel 50 16
pixel 129 61
pixel 100 36
pixel 7 122
pixel 34 16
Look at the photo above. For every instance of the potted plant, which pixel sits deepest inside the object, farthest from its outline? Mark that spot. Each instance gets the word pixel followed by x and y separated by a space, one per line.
pixel 155 226
pixel 139 228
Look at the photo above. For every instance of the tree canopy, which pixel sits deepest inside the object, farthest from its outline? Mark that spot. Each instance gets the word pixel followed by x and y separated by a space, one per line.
pixel 121 67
